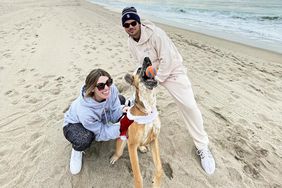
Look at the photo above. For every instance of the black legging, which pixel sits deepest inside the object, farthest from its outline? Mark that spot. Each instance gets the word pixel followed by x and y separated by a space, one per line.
pixel 80 137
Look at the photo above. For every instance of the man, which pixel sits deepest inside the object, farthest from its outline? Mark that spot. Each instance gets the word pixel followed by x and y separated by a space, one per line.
pixel 147 40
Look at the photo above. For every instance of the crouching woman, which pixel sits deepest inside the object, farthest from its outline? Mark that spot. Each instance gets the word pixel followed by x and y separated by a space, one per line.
pixel 92 115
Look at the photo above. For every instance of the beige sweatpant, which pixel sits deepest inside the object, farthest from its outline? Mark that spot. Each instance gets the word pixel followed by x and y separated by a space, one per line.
pixel 179 86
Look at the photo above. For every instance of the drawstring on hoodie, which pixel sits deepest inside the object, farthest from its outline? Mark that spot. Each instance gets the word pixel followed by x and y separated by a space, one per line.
pixel 110 112
pixel 106 116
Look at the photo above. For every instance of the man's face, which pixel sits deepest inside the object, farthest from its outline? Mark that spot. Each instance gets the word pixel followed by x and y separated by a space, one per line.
pixel 132 28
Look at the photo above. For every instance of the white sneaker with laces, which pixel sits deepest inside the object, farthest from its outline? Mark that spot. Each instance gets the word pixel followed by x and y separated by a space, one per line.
pixel 207 160
pixel 75 161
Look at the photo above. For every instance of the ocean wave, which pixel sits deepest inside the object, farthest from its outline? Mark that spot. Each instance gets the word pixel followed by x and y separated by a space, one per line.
pixel 262 18
pixel 253 21
pixel 259 18
pixel 224 14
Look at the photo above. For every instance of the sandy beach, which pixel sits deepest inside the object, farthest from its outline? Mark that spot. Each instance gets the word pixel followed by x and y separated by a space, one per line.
pixel 48 47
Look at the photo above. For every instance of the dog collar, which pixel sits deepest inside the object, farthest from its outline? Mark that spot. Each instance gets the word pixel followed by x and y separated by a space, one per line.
pixel 143 119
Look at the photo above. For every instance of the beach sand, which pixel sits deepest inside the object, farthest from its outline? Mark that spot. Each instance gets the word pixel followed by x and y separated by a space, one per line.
pixel 48 47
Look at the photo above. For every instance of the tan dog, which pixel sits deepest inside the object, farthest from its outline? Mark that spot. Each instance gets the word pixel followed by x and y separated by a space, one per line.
pixel 144 130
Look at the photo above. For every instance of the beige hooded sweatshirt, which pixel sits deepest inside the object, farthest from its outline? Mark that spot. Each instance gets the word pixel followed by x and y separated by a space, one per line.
pixel 155 44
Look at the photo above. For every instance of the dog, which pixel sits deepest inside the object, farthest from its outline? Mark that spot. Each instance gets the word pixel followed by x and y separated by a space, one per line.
pixel 145 128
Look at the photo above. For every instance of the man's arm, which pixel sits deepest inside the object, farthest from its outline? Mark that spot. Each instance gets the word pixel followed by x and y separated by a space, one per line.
pixel 167 54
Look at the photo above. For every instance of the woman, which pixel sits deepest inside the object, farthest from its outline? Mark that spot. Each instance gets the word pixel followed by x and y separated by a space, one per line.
pixel 92 115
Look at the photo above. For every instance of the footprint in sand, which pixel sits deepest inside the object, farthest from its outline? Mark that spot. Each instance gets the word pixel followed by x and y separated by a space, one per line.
pixel 7 55
pixel 35 136
pixel 55 91
pixel 234 95
pixel 25 146
pixel 167 170
pixel 234 174
pixel 21 81
pixel 220 116
pixel 27 86
pixel 263 117
pixel 35 121
pixel 40 86
pixel 32 101
pixel 49 76
pixel 11 93
pixel 22 70
pixel 59 85
pixel 32 51
pixel 240 153
pixel 251 157
pixel 252 170
pixel 26 96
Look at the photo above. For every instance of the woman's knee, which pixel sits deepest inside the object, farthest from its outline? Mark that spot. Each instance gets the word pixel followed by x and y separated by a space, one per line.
pixel 80 137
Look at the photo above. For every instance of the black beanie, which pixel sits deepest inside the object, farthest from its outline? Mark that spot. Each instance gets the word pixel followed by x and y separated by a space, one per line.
pixel 129 13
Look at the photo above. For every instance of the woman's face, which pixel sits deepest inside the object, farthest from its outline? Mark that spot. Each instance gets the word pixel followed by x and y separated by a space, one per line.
pixel 102 89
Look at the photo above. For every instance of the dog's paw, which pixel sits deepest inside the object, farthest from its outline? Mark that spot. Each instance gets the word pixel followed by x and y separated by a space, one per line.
pixel 143 149
pixel 113 159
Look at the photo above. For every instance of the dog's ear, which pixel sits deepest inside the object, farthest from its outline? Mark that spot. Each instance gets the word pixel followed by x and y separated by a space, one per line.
pixel 129 79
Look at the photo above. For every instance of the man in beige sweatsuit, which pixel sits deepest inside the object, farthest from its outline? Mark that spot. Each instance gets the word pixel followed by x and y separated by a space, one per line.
pixel 147 40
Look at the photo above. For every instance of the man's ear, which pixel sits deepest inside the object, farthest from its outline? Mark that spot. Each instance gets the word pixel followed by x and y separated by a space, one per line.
pixel 128 78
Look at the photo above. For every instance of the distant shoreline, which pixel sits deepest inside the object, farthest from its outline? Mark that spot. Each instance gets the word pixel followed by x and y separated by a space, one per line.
pixel 276 48
pixel 220 42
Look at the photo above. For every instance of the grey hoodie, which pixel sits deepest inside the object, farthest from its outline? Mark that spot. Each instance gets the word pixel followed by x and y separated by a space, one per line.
pixel 98 117
pixel 155 44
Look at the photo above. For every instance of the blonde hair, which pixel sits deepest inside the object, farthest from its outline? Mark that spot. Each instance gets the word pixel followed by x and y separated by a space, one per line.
pixel 92 79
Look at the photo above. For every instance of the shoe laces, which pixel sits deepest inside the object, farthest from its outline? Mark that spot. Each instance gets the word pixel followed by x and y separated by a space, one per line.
pixel 203 153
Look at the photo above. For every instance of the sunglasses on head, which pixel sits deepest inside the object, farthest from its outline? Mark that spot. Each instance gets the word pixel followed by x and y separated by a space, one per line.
pixel 101 86
pixel 126 25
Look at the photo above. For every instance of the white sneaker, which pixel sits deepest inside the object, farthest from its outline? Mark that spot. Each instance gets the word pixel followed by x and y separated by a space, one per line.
pixel 207 160
pixel 75 161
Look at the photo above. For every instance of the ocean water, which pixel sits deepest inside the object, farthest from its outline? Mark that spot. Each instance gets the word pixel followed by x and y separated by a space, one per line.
pixel 252 22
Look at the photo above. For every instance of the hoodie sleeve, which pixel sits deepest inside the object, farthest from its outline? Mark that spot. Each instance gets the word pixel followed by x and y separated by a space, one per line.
pixel 167 54
pixel 101 131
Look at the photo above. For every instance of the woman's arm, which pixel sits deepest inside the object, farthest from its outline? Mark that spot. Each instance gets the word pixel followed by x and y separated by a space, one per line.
pixel 102 132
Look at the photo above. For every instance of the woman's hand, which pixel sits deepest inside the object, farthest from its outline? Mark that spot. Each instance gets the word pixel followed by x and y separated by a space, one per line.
pixel 125 108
